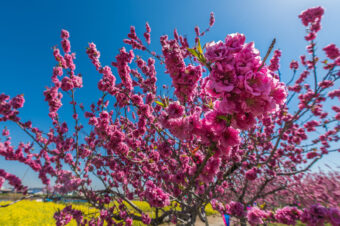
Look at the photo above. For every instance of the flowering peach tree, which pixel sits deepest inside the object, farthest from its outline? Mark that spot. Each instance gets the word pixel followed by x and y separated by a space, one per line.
pixel 228 131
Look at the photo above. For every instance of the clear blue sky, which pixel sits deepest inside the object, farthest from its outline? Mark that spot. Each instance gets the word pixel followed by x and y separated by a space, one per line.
pixel 29 29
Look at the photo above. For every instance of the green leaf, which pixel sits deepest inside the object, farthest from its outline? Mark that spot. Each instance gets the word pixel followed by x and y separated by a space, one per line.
pixel 193 52
pixel 223 117
pixel 226 118
pixel 159 103
pixel 198 52
pixel 199 47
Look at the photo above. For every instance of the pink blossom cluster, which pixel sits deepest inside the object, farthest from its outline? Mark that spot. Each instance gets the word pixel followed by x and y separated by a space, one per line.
pixel 294 65
pixel 22 153
pixel 147 35
pixel 246 89
pixel 332 51
pixel 181 127
pixel 12 180
pixel 66 182
pixel 212 19
pixel 64 216
pixel 217 205
pixel 68 82
pixel 251 174
pixel 108 81
pixel 317 188
pixel 94 55
pixel 133 39
pixel 255 216
pixel 155 195
pixel 148 84
pixel 235 209
pixel 184 78
pixel 318 215
pixel 8 107
pixel 334 93
pixel 124 58
pixel 312 18
pixel 53 97
pixel 288 215
pixel 275 61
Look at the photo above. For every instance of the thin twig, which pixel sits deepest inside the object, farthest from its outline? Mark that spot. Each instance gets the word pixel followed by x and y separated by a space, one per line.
pixel 267 54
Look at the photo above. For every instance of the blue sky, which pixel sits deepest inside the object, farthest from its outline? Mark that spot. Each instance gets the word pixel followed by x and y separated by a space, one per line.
pixel 29 29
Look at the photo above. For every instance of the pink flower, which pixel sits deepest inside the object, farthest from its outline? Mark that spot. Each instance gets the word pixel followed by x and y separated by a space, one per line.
pixel 332 51
pixel 274 62
pixel 235 41
pixel 66 84
pixel 146 219
pixel 294 65
pixel 216 121
pixel 236 209
pixel 18 101
pixel 175 110
pixel 229 137
pixel 217 88
pixel 257 83
pixel 128 221
pixel 77 81
pixel 310 126
pixel 255 216
pixel 315 215
pixel 288 215
pixel 334 216
pixel 278 92
pixel 147 33
pixel 57 71
pixel 251 174
pixel 311 15
pixel 225 106
pixel 243 121
pixel 155 195
pixel 65 34
pixel 65 43
pixel 216 51
pixel 212 19
pixel 311 155
pixel 94 55
pixel 334 93
pixel 311 36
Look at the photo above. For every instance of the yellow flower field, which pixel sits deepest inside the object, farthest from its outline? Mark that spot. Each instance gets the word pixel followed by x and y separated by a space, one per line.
pixel 29 213
pixel 32 213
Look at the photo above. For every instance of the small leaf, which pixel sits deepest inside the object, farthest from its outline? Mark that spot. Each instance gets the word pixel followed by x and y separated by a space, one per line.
pixel 223 117
pixel 202 59
pixel 226 118
pixel 193 52
pixel 199 47
pixel 159 103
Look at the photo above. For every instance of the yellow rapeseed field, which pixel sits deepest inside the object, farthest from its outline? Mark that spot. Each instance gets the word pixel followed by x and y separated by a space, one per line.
pixel 29 213
pixel 33 213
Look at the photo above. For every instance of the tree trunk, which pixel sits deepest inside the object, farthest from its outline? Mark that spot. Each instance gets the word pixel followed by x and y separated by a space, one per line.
pixel 243 222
